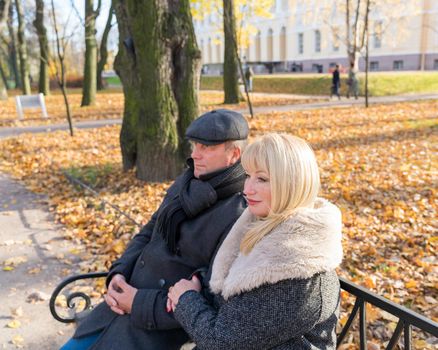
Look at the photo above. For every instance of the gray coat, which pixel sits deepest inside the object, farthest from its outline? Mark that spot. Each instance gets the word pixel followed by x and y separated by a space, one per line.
pixel 284 294
pixel 149 266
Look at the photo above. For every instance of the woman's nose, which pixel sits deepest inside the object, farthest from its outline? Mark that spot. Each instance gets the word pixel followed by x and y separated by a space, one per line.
pixel 248 188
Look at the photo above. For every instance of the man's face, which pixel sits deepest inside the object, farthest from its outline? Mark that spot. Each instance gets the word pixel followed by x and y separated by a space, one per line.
pixel 208 159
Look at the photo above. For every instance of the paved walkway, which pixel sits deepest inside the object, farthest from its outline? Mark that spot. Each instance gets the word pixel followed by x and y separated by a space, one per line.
pixel 34 251
pixel 333 103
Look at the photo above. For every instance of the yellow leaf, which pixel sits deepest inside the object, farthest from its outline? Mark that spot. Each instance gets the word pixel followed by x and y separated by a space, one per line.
pixel 8 268
pixel 18 341
pixel 75 251
pixel 411 284
pixel 14 324
pixel 118 247
pixel 15 261
pixel 370 282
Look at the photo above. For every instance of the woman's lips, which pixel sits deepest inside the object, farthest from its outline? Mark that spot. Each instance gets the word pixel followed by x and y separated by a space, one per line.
pixel 252 202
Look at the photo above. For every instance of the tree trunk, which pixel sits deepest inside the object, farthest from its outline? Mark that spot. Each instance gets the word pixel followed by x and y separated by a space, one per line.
pixel 159 65
pixel 60 70
pixel 231 77
pixel 43 83
pixel 4 7
pixel 90 66
pixel 103 50
pixel 4 78
pixel 12 50
pixel 367 53
pixel 22 50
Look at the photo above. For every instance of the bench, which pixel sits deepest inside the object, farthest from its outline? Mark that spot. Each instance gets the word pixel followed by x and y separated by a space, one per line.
pixel 406 317
pixel 23 102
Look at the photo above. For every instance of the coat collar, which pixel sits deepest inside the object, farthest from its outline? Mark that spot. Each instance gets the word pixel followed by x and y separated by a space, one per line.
pixel 307 243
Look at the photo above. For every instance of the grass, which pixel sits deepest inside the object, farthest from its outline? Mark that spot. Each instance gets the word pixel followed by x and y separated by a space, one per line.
pixel 94 176
pixel 380 84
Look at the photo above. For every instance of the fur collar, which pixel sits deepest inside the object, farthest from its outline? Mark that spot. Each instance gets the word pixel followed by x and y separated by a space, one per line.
pixel 309 242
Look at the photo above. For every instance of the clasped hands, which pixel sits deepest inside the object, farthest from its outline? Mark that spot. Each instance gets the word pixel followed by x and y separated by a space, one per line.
pixel 179 289
pixel 120 295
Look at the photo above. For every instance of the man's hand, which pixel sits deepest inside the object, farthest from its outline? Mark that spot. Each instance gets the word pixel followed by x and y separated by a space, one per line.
pixel 180 288
pixel 120 295
pixel 113 287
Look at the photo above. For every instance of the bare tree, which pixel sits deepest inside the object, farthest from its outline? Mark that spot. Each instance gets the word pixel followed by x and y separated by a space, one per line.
pixel 4 8
pixel 231 77
pixel 103 57
pixel 60 71
pixel 22 50
pixel 43 84
pixel 12 49
pixel 90 66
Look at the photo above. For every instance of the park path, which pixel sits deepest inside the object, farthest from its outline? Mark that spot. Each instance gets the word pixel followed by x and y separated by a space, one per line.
pixel 37 256
pixel 333 103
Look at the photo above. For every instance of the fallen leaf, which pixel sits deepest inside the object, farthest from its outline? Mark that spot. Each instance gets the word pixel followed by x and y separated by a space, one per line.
pixel 14 324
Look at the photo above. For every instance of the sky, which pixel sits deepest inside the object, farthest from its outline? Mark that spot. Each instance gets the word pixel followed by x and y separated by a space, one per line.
pixel 64 10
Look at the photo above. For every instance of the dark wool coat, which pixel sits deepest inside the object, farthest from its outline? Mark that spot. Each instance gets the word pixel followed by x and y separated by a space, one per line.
pixel 283 295
pixel 149 266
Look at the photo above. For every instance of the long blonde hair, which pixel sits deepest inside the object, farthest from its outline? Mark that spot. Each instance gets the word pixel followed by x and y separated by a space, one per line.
pixel 293 175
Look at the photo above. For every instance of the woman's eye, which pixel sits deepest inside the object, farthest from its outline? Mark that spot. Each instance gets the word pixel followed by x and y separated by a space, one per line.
pixel 247 176
pixel 262 179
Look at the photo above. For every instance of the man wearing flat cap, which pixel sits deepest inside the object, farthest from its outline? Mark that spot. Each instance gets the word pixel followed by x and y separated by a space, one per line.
pixel 182 236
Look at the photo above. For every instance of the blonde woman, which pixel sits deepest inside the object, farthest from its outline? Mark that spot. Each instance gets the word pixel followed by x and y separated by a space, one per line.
pixel 273 279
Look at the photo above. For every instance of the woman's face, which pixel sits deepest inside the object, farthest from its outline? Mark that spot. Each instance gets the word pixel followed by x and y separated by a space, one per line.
pixel 257 191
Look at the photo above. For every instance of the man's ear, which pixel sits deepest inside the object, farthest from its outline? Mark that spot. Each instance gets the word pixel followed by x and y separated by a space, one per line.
pixel 236 154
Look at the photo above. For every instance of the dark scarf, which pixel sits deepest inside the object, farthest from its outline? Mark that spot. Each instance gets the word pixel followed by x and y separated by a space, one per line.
pixel 195 196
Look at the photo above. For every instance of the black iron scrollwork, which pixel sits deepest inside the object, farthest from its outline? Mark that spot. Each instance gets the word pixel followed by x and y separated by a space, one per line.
pixel 70 298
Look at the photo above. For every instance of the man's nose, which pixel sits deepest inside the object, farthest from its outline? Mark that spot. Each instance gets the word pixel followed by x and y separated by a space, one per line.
pixel 195 153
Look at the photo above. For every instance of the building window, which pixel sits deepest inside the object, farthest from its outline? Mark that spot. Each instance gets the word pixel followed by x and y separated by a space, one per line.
pixel 258 47
pixel 270 45
pixel 210 51
pixel 317 41
pixel 300 43
pixel 397 65
pixel 283 44
pixel 435 64
pixel 218 50
pixel 284 5
pixel 377 36
pixel 374 65
pixel 336 40
pixel 317 68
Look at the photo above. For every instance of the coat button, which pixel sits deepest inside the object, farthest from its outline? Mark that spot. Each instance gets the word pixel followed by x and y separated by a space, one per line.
pixel 162 282
pixel 142 263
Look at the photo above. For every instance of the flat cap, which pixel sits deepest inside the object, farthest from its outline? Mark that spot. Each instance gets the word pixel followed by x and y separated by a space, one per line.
pixel 218 126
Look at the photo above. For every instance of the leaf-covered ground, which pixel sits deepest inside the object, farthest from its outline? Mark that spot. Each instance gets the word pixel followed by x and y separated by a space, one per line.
pixel 109 105
pixel 378 164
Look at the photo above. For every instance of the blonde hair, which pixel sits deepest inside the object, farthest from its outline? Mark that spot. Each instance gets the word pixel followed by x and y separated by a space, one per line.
pixel 293 175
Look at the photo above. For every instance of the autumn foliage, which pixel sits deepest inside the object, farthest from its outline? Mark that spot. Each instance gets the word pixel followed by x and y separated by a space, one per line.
pixel 377 164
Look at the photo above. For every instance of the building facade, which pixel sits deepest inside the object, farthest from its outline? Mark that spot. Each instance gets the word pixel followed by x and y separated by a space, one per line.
pixel 300 37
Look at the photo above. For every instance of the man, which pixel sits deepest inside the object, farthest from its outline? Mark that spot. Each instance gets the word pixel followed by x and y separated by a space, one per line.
pixel 336 83
pixel 249 77
pixel 182 236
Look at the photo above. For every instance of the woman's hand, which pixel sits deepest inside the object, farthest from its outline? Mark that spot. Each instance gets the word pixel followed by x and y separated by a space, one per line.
pixel 179 289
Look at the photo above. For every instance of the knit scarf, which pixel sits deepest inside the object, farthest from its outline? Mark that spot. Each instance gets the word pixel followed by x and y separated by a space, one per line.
pixel 195 196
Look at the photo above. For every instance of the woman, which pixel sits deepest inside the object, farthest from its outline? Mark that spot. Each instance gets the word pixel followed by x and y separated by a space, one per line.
pixel 273 278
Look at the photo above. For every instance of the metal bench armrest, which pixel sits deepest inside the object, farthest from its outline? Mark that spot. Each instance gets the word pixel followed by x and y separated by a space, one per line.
pixel 72 296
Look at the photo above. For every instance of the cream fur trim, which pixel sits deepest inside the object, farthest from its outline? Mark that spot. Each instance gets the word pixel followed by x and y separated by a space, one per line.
pixel 307 243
